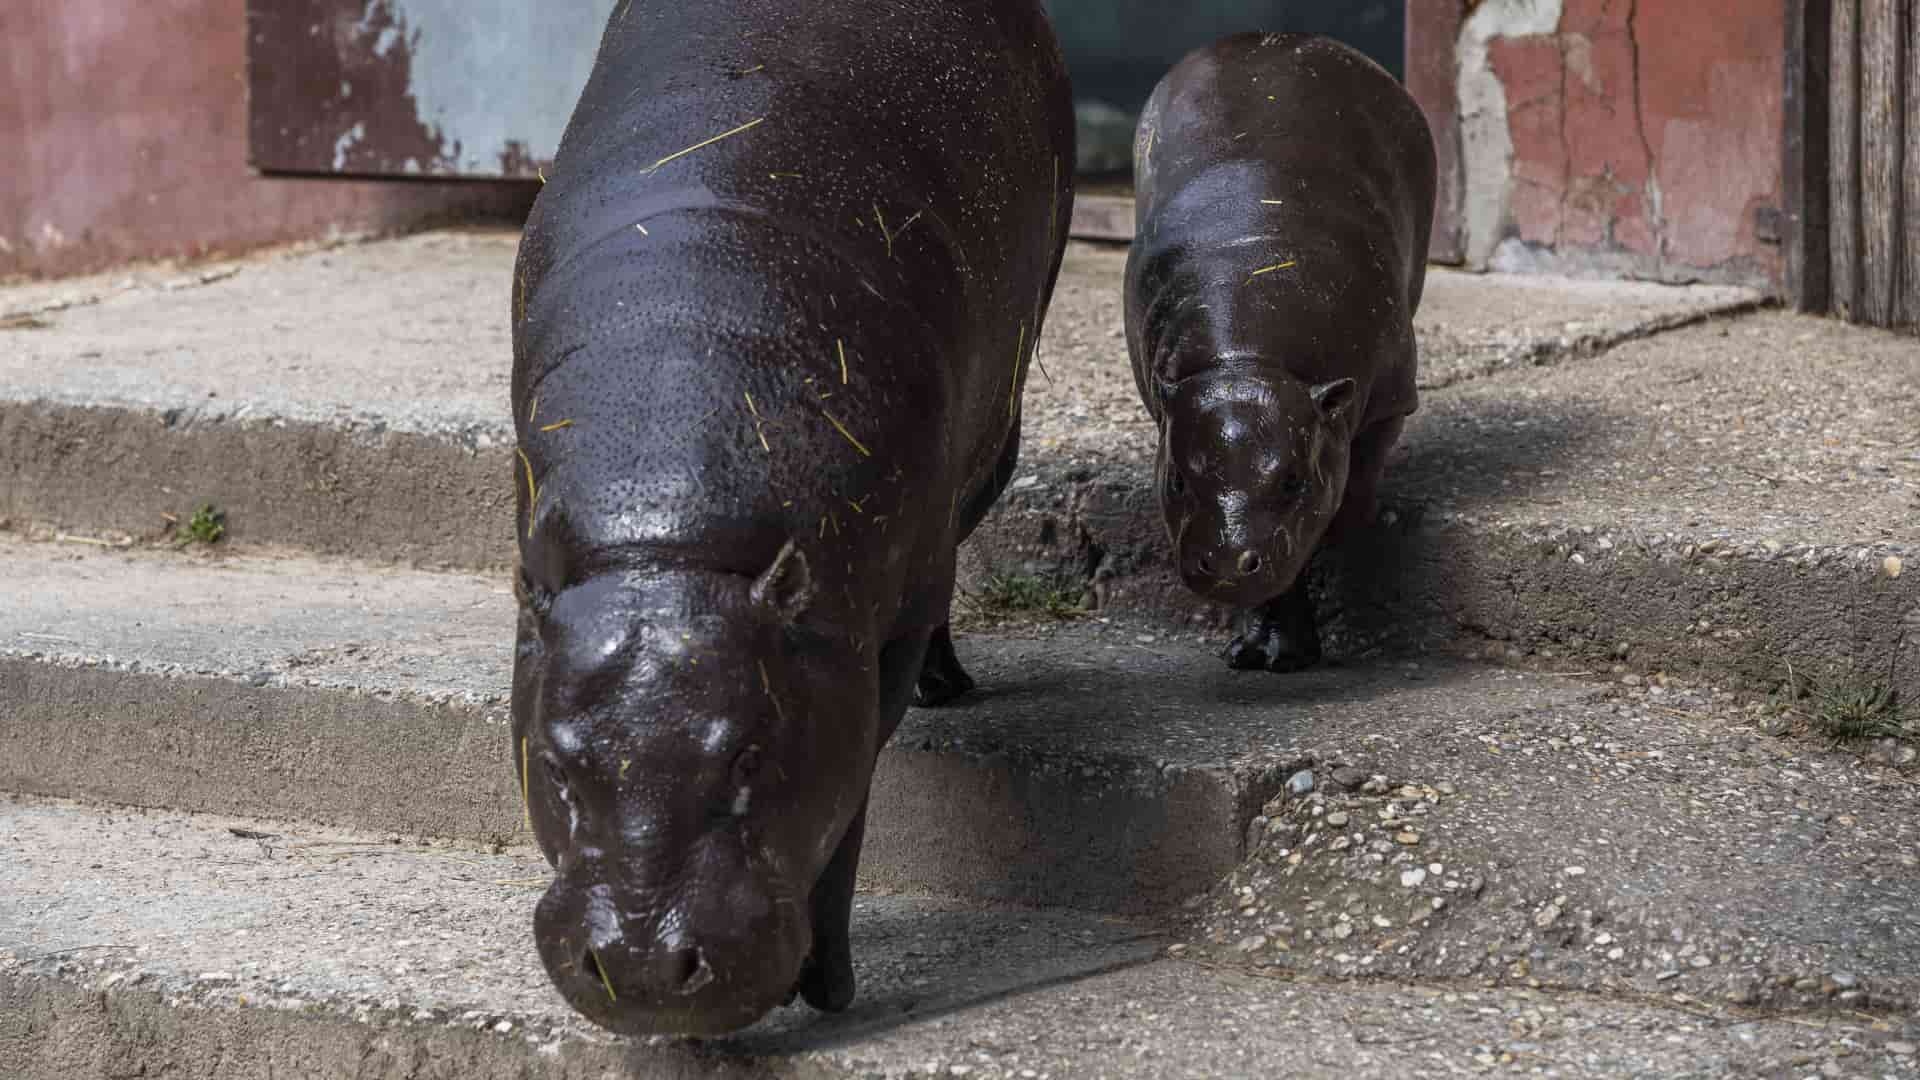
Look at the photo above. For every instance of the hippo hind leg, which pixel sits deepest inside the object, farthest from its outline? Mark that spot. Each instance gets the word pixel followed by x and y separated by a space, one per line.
pixel 942 679
pixel 1279 635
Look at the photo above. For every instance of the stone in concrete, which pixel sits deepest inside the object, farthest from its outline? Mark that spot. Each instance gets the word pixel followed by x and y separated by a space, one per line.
pixel 170 944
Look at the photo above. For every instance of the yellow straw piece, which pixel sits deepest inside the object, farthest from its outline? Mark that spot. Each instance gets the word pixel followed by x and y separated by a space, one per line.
pixel 604 981
pixel 841 347
pixel 557 426
pixel 1289 264
pixel 703 144
pixel 526 800
pixel 1019 358
pixel 848 435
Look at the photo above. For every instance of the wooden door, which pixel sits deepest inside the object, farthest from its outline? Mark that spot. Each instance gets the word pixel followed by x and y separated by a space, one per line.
pixel 1872 151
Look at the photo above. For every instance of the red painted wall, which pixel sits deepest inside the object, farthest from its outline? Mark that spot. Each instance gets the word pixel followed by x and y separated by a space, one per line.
pixel 124 130
pixel 1646 138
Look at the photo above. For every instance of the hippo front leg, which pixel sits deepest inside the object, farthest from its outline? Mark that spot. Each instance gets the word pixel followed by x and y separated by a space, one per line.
pixel 1279 635
pixel 826 982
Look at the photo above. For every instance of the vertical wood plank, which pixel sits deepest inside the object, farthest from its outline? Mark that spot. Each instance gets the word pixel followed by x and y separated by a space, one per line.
pixel 1882 109
pixel 1909 314
pixel 1843 205
pixel 1806 161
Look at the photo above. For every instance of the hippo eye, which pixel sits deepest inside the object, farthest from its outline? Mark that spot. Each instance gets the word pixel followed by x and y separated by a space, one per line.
pixel 557 778
pixel 1176 483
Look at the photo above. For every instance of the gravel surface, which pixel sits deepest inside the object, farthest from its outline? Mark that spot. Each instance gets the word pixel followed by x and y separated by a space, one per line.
pixel 160 941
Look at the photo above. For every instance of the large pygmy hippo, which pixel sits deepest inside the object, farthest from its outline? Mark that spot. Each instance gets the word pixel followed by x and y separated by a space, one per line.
pixel 1285 185
pixel 772 315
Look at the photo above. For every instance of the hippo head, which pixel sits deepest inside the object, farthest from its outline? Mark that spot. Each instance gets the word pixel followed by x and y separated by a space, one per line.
pixel 1251 470
pixel 690 763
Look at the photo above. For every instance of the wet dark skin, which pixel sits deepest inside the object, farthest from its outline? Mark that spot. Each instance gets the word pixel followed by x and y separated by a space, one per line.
pixel 1285 186
pixel 772 314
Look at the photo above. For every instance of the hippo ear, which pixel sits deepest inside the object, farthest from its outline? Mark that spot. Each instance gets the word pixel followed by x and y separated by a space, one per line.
pixel 786 587
pixel 1333 398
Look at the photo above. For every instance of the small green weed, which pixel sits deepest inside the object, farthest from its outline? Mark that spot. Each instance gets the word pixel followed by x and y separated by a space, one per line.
pixel 1029 594
pixel 206 526
pixel 1847 708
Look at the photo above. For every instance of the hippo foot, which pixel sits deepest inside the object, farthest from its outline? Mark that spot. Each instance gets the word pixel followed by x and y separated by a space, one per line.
pixel 941 677
pixel 1278 636
pixel 826 982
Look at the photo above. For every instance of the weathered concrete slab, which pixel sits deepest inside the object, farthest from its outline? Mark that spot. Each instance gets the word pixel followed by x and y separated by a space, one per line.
pixel 302 689
pixel 170 944
pixel 1735 496
pixel 352 400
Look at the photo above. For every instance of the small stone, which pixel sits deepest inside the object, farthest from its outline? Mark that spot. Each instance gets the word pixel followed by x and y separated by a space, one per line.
pixel 1343 931
pixel 1845 980
pixel 1436 869
pixel 1252 943
pixel 503 1027
pixel 1576 871
pixel 1338 818
pixel 1176 950
pixel 1446 788
pixel 1414 878
pixel 1547 916
pixel 1701 961
pixel 1408 839
pixel 1774 547
pixel 1891 566
pixel 1341 844
pixel 1902 1049
pixel 1603 939
pixel 959 1070
pixel 1670 973
pixel 1300 783
pixel 1349 777
pixel 1616 953
pixel 1383 922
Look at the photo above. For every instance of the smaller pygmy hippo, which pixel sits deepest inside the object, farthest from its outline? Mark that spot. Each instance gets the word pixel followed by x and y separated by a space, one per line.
pixel 1286 188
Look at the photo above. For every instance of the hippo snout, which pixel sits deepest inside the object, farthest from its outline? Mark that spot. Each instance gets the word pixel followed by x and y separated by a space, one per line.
pixel 1227 572
pixel 706 964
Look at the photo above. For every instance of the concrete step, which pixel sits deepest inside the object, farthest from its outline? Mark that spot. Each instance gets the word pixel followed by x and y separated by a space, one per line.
pixel 141 943
pixel 353 400
pixel 1738 497
pixel 1098 766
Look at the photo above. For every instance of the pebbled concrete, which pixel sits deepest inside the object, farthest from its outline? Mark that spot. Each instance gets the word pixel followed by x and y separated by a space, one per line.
pixel 164 944
pixel 1735 497
pixel 298 688
pixel 352 400
pixel 1098 767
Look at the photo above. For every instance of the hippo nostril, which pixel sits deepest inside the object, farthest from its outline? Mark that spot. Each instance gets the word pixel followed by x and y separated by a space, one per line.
pixel 1206 565
pixel 687 970
pixel 1249 562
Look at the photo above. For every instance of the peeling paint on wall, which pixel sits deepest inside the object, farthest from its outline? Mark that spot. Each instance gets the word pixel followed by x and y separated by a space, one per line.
pixel 434 87
pixel 1485 136
pixel 1623 137
pixel 482 120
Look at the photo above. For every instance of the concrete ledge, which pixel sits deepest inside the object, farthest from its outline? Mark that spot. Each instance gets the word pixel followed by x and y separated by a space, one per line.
pixel 161 944
pixel 1089 770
